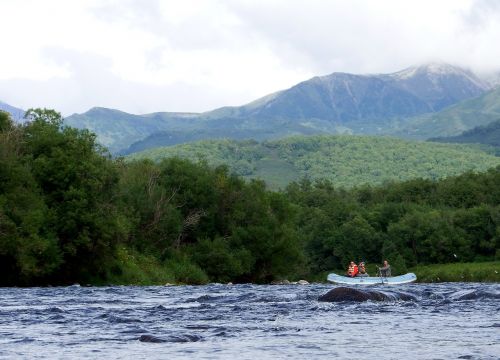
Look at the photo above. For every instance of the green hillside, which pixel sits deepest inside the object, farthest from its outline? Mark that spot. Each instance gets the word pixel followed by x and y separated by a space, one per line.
pixel 345 160
pixel 455 119
pixel 486 135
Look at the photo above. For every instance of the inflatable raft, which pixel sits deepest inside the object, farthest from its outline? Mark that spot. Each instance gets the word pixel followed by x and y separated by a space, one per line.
pixel 372 280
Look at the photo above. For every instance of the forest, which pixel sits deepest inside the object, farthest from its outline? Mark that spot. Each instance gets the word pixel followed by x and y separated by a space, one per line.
pixel 70 212
pixel 346 160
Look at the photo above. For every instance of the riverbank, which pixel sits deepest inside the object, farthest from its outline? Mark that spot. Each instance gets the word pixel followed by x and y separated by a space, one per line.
pixel 458 272
pixel 134 268
pixel 138 269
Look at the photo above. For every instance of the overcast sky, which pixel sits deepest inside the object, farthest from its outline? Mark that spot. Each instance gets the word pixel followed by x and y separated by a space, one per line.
pixel 143 56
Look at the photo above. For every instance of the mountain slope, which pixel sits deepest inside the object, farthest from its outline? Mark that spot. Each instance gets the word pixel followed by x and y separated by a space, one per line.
pixel 455 119
pixel 440 85
pixel 486 135
pixel 345 98
pixel 336 103
pixel 117 129
pixel 16 113
pixel 346 160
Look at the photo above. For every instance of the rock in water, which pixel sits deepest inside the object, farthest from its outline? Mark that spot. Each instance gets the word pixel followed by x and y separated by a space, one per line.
pixel 349 294
pixel 176 339
pixel 151 339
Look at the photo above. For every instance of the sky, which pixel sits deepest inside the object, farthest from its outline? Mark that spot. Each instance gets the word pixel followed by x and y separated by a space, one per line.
pixel 144 56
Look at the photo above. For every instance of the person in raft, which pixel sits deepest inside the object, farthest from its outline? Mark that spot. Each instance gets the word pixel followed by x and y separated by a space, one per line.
pixel 352 270
pixel 385 270
pixel 362 270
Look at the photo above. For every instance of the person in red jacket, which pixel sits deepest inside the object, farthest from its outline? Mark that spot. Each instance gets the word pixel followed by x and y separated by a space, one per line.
pixel 352 270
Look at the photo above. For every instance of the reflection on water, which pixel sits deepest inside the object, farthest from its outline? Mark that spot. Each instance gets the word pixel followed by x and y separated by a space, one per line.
pixel 442 321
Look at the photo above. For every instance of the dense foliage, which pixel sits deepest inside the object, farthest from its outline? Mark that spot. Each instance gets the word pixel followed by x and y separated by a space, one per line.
pixel 71 213
pixel 415 222
pixel 345 160
pixel 68 212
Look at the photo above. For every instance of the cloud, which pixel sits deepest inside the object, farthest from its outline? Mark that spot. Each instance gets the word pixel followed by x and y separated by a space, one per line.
pixel 93 83
pixel 196 55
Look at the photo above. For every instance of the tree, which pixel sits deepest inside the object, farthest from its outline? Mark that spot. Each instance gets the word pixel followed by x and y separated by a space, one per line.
pixel 78 182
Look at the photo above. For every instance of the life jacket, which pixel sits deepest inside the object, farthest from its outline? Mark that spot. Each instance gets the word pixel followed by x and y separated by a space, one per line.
pixel 352 270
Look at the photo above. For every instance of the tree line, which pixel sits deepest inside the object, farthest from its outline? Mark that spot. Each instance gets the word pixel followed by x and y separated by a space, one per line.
pixel 68 210
pixel 419 221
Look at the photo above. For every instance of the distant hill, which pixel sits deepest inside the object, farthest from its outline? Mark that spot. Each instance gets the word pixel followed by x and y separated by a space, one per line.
pixel 455 119
pixel 346 160
pixel 332 104
pixel 16 113
pixel 117 129
pixel 168 138
pixel 486 135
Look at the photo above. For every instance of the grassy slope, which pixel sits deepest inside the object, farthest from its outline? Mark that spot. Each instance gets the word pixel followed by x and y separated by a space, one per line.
pixel 488 135
pixel 140 269
pixel 457 272
pixel 455 119
pixel 346 160
pixel 133 268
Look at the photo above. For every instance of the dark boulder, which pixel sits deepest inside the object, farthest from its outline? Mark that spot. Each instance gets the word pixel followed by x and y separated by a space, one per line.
pixel 474 295
pixel 183 338
pixel 350 294
pixel 151 339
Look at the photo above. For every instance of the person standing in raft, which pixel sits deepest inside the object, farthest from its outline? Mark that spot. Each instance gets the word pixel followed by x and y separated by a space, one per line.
pixel 352 270
pixel 385 271
pixel 362 270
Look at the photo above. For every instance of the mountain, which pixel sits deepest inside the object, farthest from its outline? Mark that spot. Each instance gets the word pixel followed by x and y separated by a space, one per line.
pixel 117 129
pixel 440 85
pixel 491 78
pixel 15 113
pixel 346 160
pixel 494 81
pixel 455 119
pixel 347 98
pixel 486 135
pixel 336 103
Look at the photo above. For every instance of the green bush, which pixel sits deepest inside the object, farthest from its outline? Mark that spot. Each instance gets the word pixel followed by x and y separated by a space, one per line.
pixel 186 272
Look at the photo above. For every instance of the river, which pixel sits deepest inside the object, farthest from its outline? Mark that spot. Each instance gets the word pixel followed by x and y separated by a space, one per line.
pixel 442 321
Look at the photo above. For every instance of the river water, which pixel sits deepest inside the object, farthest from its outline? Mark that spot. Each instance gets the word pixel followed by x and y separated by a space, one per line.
pixel 443 321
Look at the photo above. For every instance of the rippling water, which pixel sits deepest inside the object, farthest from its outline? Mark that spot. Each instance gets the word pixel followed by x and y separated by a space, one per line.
pixel 445 321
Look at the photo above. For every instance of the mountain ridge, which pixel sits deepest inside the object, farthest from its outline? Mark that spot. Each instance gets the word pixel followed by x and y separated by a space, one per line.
pixel 330 104
pixel 17 114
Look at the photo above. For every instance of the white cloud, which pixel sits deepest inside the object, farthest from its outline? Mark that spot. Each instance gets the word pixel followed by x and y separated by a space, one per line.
pixel 144 56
